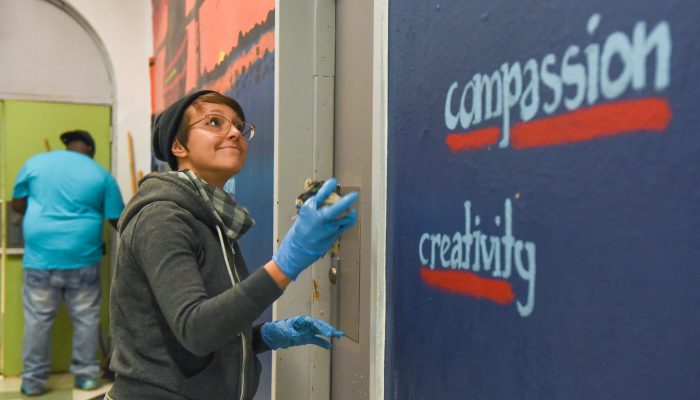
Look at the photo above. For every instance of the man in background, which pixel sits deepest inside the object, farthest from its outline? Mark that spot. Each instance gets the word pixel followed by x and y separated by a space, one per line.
pixel 65 197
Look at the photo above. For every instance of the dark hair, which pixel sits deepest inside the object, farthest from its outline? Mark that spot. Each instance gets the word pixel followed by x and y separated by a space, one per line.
pixel 183 131
pixel 81 135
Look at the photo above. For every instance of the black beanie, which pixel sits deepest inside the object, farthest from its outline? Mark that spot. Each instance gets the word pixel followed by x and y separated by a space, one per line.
pixel 166 126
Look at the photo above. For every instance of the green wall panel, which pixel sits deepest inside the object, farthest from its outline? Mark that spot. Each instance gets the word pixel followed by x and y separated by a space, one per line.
pixel 3 233
pixel 28 123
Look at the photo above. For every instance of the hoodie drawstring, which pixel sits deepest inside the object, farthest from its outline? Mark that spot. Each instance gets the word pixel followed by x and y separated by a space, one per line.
pixel 223 250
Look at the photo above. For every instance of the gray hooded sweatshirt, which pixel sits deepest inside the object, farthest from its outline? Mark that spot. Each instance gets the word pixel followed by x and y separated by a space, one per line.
pixel 180 328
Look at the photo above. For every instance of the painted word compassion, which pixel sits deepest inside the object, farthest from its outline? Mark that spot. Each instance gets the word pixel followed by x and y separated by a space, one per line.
pixel 477 264
pixel 574 81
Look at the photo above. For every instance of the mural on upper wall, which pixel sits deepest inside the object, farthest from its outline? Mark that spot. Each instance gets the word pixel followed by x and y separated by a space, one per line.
pixel 227 46
pixel 223 45
pixel 554 146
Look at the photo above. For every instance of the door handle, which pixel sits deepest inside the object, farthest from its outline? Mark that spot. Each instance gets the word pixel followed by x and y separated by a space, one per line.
pixel 335 267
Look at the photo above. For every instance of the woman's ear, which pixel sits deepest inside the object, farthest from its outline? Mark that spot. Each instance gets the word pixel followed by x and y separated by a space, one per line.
pixel 178 149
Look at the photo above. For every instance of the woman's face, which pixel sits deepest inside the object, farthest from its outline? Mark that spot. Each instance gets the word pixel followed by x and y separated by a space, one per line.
pixel 215 156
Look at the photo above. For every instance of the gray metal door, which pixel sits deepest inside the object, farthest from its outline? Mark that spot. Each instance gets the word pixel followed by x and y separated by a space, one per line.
pixel 350 359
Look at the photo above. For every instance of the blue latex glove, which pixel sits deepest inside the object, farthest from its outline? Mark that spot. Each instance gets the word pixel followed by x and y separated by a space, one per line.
pixel 314 231
pixel 298 331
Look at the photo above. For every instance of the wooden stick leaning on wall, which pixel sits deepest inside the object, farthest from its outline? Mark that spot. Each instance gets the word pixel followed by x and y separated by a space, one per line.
pixel 132 164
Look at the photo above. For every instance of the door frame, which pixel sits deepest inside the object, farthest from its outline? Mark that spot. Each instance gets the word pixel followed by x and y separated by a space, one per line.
pixel 304 93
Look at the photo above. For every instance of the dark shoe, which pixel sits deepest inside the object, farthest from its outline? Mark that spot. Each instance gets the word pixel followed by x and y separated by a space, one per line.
pixel 31 391
pixel 86 383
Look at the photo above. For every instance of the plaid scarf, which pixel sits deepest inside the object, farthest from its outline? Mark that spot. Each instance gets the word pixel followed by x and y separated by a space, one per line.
pixel 234 219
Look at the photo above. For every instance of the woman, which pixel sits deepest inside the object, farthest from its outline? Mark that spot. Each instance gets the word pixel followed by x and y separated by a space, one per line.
pixel 182 302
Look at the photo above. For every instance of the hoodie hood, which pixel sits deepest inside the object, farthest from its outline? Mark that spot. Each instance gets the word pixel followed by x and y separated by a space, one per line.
pixel 167 187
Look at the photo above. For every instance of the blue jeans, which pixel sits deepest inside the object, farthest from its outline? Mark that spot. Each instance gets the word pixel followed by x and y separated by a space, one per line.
pixel 42 291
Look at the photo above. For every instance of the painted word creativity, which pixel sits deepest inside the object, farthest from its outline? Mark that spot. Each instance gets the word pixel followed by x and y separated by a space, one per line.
pixel 482 254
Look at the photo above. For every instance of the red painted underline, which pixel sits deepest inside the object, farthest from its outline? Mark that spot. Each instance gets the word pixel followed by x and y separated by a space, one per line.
pixel 651 114
pixel 628 116
pixel 472 140
pixel 468 284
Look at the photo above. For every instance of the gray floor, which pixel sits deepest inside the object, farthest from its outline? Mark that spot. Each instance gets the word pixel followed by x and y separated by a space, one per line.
pixel 60 387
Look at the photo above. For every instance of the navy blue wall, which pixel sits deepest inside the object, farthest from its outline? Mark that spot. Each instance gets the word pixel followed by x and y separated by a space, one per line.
pixel 545 245
pixel 255 91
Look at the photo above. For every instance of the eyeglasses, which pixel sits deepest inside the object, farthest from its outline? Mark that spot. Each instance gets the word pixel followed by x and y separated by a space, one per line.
pixel 221 126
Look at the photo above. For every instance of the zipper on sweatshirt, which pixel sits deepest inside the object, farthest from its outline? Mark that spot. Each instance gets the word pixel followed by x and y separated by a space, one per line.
pixel 243 338
pixel 234 281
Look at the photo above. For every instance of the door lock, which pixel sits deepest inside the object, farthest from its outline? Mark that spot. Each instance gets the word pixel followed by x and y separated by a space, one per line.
pixel 335 266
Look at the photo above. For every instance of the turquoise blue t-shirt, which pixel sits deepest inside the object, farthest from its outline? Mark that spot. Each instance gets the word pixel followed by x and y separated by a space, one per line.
pixel 68 197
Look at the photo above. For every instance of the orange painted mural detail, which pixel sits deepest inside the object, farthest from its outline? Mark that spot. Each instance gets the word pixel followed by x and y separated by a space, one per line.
pixel 244 62
pixel 208 44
